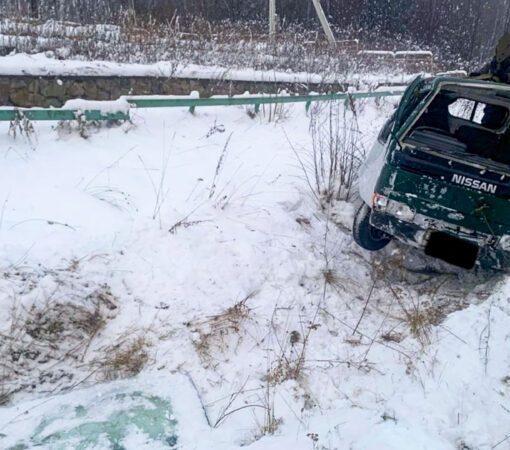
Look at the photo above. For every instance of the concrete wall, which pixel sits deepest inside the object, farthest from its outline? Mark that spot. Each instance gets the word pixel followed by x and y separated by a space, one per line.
pixel 29 91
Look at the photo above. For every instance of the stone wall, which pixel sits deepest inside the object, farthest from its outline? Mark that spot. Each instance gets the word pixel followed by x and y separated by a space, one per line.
pixel 30 91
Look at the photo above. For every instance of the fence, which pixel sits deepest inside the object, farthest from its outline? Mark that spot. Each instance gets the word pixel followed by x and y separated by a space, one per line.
pixel 43 114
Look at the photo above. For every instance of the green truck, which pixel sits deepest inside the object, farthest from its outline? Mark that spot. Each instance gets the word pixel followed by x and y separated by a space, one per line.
pixel 438 176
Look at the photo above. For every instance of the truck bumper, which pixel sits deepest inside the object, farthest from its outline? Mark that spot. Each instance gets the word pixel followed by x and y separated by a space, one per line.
pixel 456 246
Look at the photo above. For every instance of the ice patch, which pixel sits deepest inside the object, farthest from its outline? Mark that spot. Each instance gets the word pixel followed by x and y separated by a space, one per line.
pixel 117 415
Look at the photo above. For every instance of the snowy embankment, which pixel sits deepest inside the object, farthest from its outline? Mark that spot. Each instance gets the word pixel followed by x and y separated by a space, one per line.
pixel 43 65
pixel 193 244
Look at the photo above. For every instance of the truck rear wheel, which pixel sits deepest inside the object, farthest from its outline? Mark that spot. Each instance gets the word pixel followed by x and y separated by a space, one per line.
pixel 365 235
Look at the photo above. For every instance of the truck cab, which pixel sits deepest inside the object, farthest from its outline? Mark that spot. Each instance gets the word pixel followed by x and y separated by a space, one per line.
pixel 438 176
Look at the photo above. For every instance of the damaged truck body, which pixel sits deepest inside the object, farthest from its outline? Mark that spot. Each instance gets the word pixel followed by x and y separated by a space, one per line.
pixel 438 176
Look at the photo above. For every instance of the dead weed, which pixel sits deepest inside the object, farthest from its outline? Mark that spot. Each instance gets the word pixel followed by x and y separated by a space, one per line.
pixel 58 330
pixel 222 333
pixel 126 359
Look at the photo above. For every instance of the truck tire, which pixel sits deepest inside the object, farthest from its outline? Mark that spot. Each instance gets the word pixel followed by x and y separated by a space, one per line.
pixel 365 235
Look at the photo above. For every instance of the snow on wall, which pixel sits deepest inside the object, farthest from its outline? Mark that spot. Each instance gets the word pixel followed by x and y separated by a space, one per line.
pixel 41 65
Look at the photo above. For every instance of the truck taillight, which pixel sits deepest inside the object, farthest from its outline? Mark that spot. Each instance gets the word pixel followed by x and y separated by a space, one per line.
pixel 504 243
pixel 392 207
pixel 379 202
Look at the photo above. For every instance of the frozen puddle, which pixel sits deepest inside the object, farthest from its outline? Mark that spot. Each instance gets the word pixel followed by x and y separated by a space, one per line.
pixel 147 412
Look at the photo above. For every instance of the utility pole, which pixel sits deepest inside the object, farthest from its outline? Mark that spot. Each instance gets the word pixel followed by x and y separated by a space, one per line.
pixel 324 21
pixel 272 18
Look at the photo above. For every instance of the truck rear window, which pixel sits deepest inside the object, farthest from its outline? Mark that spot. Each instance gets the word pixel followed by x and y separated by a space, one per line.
pixel 490 116
pixel 455 122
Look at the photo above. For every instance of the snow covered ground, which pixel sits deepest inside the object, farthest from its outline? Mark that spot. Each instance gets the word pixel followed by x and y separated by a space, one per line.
pixel 194 245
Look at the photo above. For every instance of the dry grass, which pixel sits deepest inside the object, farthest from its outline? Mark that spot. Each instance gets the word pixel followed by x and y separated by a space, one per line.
pixel 193 41
pixel 222 333
pixel 219 167
pixel 337 151
pixel 418 317
pixel 283 370
pixel 332 279
pixel 419 321
pixel 4 397
pixel 304 222
pixel 54 323
pixel 42 347
pixel 427 290
pixel 25 128
pixel 289 363
pixel 196 41
pixel 84 128
pixel 126 359
pixel 271 422
pixel 275 112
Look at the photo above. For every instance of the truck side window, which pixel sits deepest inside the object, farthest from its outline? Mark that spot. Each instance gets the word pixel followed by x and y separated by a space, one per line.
pixel 386 130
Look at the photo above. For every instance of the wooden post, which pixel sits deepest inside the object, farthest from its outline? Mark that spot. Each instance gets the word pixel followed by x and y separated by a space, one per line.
pixel 324 21
pixel 272 17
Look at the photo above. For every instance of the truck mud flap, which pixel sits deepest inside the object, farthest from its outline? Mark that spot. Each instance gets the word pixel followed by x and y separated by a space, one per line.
pixel 452 250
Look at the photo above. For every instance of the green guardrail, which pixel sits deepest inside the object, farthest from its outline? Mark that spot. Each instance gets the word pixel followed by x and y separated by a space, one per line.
pixel 36 114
